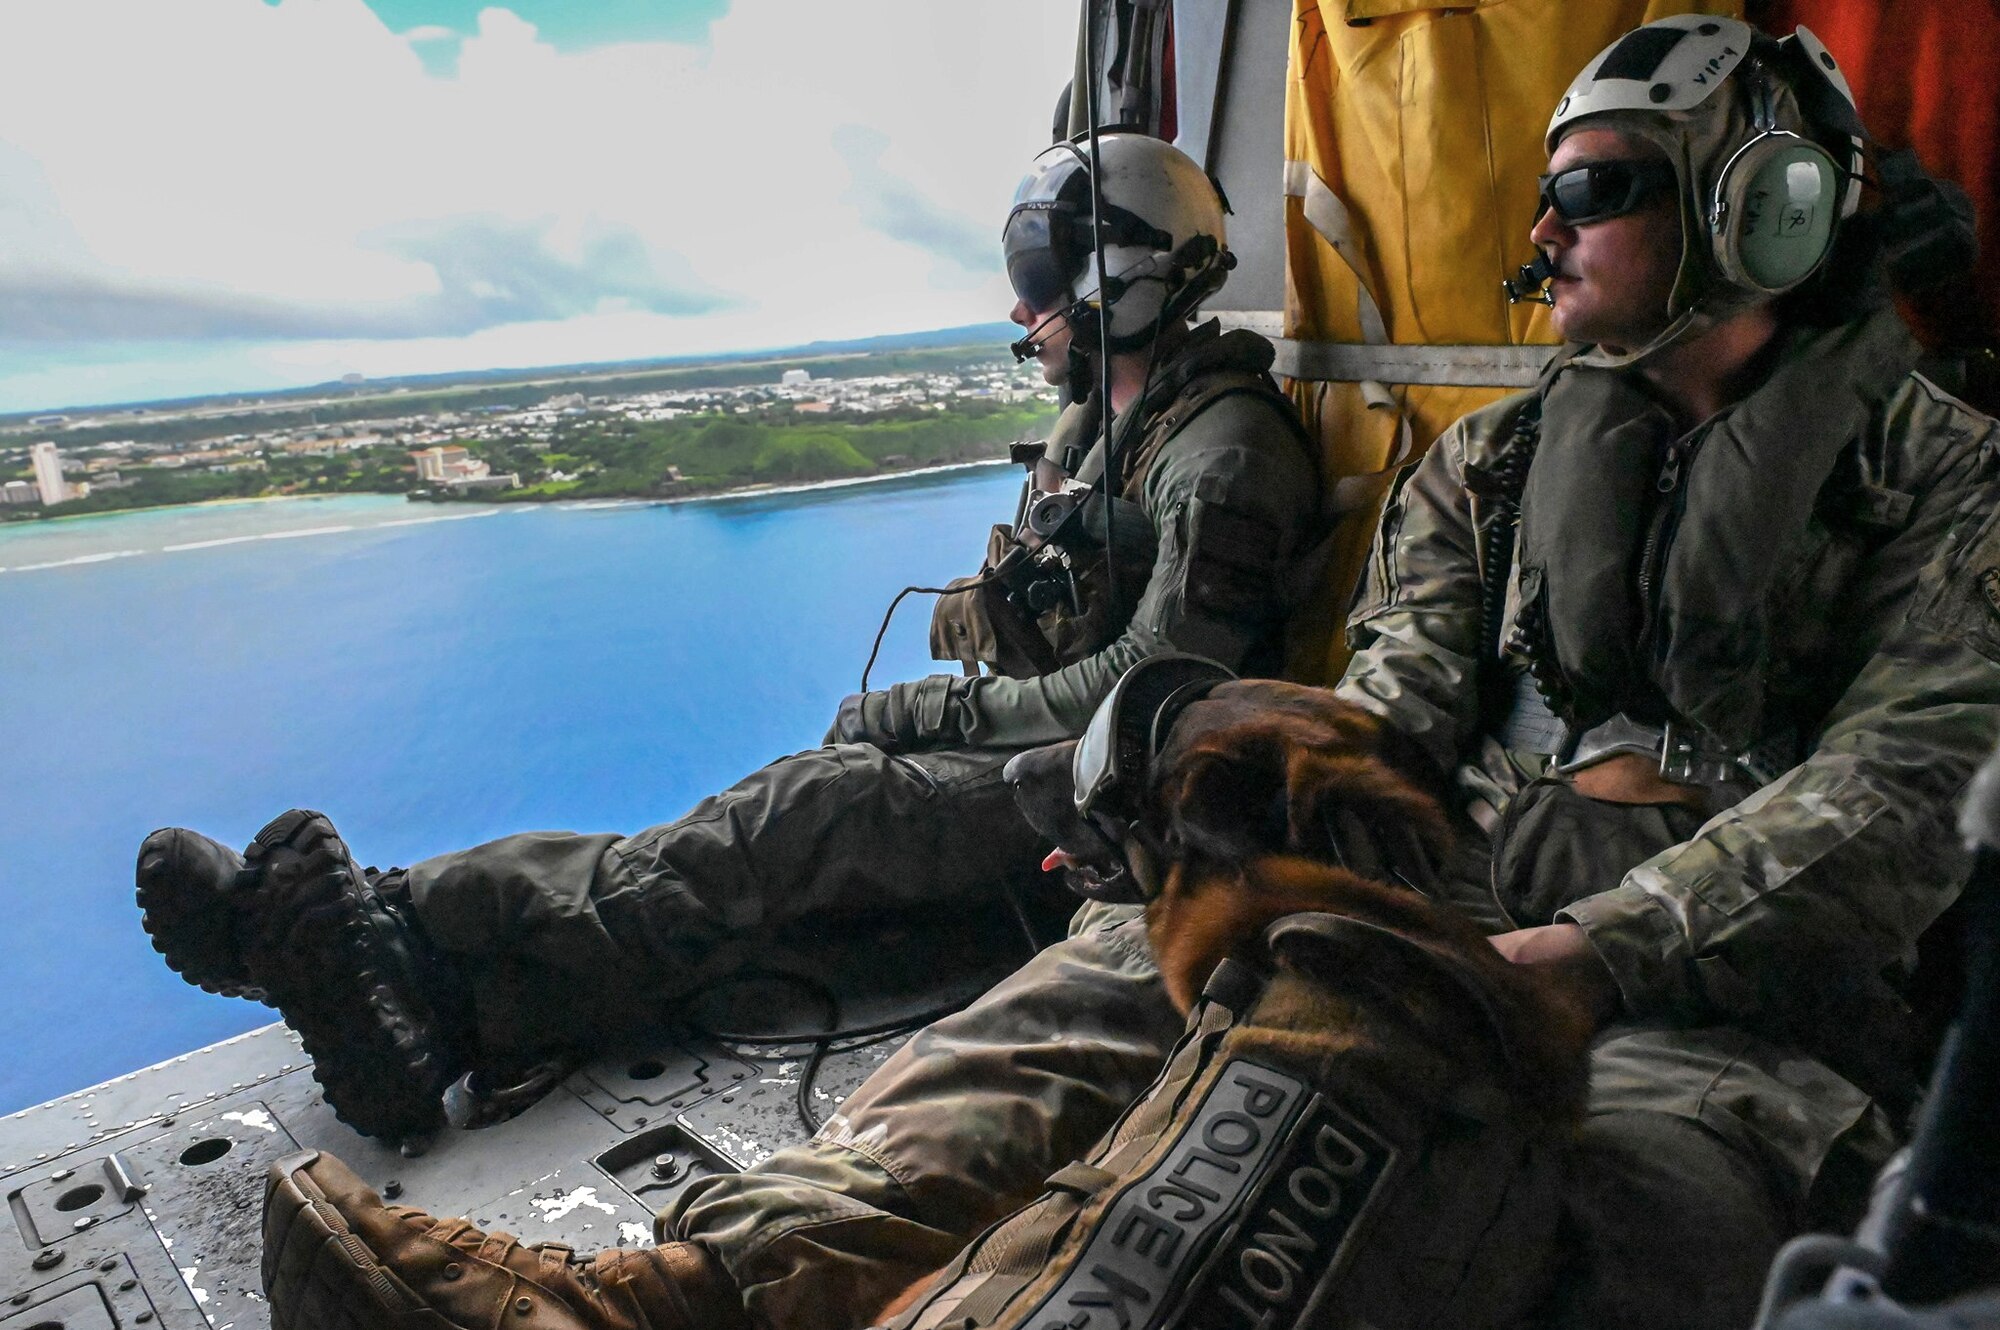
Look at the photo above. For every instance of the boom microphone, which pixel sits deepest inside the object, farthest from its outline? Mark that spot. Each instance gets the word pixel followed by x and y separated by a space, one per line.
pixel 1030 344
pixel 1531 282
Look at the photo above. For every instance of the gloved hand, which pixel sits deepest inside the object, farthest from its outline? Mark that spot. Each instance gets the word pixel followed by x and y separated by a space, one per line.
pixel 920 713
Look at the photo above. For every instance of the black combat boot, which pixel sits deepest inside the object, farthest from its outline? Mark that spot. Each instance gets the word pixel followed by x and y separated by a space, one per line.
pixel 337 951
pixel 191 892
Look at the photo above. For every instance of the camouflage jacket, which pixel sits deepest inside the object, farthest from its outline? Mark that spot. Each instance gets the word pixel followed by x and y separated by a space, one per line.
pixel 1237 465
pixel 1887 631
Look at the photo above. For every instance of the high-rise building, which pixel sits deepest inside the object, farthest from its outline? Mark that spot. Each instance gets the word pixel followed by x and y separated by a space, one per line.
pixel 48 472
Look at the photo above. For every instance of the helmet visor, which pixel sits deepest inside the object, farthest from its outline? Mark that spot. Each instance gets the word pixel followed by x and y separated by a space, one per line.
pixel 1599 191
pixel 1039 241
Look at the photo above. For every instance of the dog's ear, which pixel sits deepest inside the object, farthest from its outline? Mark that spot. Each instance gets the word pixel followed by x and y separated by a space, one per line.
pixel 1227 800
pixel 1354 808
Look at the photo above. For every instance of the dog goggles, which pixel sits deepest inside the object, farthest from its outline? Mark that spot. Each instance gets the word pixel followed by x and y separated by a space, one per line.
pixel 1116 754
pixel 1599 191
pixel 1112 767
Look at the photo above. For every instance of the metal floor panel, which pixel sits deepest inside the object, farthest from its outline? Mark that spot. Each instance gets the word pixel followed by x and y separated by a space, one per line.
pixel 136 1204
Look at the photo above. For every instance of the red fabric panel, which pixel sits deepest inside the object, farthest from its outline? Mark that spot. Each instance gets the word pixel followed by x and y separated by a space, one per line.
pixel 1926 74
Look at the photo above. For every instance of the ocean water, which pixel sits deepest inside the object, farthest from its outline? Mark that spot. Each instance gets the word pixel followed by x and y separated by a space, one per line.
pixel 430 677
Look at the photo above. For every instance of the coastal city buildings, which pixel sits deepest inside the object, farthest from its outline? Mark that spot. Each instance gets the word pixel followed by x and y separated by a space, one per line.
pixel 48 464
pixel 442 448
pixel 440 463
pixel 455 468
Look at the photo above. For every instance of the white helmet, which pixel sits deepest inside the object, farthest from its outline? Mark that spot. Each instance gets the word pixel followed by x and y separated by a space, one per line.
pixel 1746 123
pixel 1164 244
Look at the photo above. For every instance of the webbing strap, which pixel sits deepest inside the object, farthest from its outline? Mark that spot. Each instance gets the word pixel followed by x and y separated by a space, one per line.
pixel 1328 215
pixel 984 1304
pixel 1447 366
pixel 1081 1179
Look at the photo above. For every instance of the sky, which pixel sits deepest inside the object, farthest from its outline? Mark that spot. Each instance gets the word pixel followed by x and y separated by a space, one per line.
pixel 202 196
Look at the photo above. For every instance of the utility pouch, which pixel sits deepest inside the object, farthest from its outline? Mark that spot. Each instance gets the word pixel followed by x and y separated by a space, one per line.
pixel 1276 1176
pixel 1074 633
pixel 1232 558
pixel 1555 846
pixel 976 624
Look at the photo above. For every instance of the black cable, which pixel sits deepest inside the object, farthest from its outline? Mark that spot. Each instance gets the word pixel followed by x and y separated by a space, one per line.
pixel 1145 390
pixel 886 1028
pixel 1090 70
pixel 814 987
pixel 983 580
pixel 823 1043
pixel 850 1039
pixel 1021 918
pixel 802 1096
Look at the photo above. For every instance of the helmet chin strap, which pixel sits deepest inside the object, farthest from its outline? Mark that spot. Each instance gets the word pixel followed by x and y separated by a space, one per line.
pixel 1692 323
pixel 1076 365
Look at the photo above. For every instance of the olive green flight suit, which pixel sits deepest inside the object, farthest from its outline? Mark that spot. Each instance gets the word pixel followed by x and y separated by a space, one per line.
pixel 554 931
pixel 1712 1133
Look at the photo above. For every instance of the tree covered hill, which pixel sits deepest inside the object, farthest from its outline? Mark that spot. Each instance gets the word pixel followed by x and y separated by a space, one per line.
pixel 710 453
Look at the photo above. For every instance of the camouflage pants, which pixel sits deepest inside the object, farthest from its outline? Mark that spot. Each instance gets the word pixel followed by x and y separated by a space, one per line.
pixel 557 933
pixel 1703 1151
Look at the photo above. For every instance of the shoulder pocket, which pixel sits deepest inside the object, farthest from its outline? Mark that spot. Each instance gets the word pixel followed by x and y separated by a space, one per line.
pixel 1378 582
pixel 1961 599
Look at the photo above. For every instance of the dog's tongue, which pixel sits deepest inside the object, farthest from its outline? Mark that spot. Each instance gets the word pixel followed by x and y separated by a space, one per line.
pixel 1059 858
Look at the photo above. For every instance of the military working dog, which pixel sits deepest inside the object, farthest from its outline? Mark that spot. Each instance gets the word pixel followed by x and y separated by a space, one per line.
pixel 1399 1097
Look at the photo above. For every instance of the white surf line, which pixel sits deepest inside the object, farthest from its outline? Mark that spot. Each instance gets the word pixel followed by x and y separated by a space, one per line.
pixel 220 541
pixel 445 517
pixel 843 482
pixel 307 531
pixel 103 557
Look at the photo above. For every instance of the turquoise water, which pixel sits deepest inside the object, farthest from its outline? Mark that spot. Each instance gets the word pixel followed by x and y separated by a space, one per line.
pixel 430 677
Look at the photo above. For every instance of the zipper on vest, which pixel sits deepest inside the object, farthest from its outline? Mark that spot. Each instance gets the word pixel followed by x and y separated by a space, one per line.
pixel 1666 520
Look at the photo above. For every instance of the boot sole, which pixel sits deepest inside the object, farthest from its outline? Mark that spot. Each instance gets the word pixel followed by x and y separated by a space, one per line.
pixel 190 922
pixel 320 959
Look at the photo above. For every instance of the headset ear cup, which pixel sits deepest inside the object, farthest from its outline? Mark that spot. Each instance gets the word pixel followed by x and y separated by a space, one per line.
pixel 1776 206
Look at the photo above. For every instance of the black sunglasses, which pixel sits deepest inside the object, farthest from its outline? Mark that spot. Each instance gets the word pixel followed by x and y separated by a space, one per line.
pixel 1598 191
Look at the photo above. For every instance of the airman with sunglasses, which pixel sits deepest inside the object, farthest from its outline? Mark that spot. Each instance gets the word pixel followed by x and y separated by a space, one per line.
pixel 1697 624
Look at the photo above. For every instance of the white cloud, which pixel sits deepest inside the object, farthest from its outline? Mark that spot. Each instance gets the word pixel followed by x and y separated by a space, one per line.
pixel 293 174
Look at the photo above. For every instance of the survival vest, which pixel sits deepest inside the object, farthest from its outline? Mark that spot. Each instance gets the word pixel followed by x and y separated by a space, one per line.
pixel 983 621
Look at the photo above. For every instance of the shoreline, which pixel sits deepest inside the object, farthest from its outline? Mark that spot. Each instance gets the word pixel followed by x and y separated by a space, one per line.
pixel 755 491
pixel 808 486
pixel 34 523
pixel 469 506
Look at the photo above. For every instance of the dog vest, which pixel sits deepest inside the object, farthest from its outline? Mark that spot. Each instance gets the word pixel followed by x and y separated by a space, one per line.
pixel 1265 1181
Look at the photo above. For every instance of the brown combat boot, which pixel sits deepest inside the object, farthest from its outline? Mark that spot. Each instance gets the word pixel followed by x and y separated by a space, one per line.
pixel 337 1258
